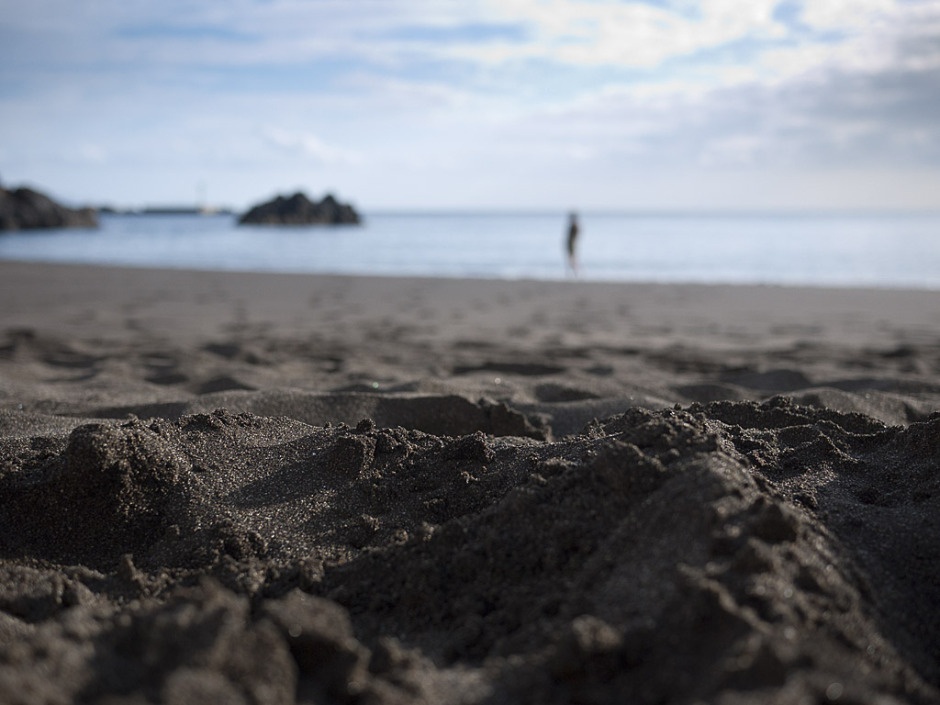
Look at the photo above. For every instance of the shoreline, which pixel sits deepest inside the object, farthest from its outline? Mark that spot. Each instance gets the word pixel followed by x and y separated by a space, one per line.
pixel 557 279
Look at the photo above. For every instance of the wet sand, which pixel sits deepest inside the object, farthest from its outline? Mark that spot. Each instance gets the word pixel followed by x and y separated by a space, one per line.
pixel 256 488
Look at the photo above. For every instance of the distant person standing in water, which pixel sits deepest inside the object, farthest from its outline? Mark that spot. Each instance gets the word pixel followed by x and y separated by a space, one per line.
pixel 572 243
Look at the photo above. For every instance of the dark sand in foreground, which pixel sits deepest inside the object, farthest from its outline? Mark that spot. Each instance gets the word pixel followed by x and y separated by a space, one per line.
pixel 253 488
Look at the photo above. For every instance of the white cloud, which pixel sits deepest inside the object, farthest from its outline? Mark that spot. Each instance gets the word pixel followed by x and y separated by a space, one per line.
pixel 307 146
pixel 92 153
pixel 847 15
pixel 608 32
pixel 736 151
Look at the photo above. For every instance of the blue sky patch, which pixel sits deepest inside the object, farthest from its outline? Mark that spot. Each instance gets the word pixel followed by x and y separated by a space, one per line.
pixel 788 13
pixel 190 33
pixel 461 33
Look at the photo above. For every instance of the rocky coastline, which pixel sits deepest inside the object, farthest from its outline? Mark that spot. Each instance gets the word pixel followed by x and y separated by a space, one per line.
pixel 26 209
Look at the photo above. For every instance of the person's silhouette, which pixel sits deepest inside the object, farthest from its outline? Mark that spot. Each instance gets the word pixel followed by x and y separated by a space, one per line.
pixel 572 243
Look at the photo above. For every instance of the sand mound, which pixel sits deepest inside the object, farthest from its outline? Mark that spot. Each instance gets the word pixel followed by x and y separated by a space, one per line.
pixel 730 552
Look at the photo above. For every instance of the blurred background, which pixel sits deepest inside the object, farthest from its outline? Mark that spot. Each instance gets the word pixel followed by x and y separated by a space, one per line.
pixel 670 108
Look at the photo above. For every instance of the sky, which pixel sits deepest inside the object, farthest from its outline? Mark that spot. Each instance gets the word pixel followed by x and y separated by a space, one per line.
pixel 475 104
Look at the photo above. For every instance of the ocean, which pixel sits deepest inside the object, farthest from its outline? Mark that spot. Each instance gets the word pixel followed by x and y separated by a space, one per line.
pixel 833 250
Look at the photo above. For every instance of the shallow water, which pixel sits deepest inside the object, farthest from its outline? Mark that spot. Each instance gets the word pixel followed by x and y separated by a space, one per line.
pixel 884 250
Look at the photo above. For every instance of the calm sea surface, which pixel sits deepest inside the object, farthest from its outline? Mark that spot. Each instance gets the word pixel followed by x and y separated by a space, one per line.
pixel 829 250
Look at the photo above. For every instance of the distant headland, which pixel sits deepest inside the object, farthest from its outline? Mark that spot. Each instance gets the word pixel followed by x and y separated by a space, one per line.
pixel 167 210
pixel 300 210
pixel 26 209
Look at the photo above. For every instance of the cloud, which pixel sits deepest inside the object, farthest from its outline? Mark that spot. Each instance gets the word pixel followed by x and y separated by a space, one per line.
pixel 630 35
pixel 843 15
pixel 864 99
pixel 92 153
pixel 308 146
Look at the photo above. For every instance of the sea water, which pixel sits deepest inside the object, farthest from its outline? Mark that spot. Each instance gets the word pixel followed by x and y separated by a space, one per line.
pixel 881 250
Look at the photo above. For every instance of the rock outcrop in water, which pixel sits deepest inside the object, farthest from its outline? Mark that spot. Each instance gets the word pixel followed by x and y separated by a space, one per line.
pixel 25 209
pixel 300 210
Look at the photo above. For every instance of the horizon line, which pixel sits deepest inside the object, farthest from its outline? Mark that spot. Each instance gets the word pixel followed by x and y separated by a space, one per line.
pixel 523 211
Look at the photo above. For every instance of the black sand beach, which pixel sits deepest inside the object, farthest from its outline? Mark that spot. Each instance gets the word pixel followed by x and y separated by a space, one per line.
pixel 247 488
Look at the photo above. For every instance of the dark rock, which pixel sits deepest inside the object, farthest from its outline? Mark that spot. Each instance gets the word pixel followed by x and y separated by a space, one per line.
pixel 25 209
pixel 300 210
